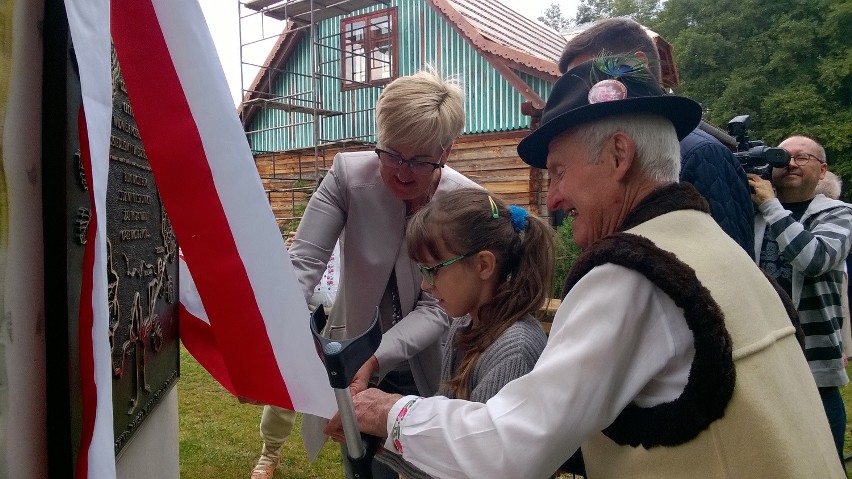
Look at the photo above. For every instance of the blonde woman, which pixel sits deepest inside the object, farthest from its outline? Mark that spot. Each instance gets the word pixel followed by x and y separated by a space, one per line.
pixel 365 201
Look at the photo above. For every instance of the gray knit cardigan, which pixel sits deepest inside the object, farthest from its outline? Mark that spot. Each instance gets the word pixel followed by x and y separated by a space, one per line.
pixel 511 356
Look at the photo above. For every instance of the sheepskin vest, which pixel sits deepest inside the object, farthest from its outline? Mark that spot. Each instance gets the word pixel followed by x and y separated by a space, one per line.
pixel 750 407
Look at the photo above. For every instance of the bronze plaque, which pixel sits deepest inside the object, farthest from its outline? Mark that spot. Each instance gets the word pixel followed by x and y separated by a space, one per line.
pixel 142 263
pixel 142 270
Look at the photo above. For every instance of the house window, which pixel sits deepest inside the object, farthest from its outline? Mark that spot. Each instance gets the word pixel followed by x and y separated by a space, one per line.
pixel 369 49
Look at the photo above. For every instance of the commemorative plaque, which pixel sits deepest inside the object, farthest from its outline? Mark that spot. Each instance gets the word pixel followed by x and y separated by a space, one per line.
pixel 142 270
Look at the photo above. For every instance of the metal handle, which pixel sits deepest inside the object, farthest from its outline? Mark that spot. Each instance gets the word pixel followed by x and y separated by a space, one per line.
pixel 343 359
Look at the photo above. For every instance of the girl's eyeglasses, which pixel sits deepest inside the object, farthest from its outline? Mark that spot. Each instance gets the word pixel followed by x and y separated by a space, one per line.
pixel 429 272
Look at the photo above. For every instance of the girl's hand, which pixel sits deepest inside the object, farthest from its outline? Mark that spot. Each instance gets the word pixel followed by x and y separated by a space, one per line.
pixel 334 429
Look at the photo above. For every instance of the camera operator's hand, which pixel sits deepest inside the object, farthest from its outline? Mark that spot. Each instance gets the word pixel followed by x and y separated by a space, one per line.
pixel 761 190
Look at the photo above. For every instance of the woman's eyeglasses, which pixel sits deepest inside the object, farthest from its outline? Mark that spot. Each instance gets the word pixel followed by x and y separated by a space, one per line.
pixel 418 167
pixel 429 272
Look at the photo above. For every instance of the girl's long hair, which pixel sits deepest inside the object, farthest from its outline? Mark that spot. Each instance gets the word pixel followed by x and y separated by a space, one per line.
pixel 461 222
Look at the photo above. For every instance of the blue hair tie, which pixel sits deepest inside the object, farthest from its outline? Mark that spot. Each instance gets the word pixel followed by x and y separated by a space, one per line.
pixel 519 217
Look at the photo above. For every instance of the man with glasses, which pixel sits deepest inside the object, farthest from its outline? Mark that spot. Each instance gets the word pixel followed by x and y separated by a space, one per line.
pixel 802 239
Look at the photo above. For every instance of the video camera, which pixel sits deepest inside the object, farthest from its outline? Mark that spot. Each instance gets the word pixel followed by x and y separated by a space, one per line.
pixel 754 156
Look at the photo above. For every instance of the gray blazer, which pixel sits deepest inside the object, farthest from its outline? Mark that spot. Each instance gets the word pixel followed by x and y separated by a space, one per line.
pixel 352 203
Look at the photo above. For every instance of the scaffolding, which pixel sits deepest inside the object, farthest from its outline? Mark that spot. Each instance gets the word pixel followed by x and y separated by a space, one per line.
pixel 313 117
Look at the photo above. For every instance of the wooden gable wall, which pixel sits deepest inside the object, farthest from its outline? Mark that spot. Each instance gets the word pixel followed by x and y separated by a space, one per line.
pixel 489 159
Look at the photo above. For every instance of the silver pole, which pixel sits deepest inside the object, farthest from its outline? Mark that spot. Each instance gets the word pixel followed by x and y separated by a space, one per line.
pixel 354 446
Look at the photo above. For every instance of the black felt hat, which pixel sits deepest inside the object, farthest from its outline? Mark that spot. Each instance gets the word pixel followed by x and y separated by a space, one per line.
pixel 602 87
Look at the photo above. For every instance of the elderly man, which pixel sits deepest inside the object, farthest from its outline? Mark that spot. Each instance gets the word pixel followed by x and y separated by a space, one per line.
pixel 802 239
pixel 671 354
pixel 706 163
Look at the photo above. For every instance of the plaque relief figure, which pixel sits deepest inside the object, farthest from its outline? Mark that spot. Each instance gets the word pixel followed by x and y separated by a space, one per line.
pixel 169 247
pixel 82 224
pixel 112 299
pixel 135 346
pixel 168 234
pixel 145 332
pixel 117 80
pixel 144 269
pixel 152 327
pixel 81 172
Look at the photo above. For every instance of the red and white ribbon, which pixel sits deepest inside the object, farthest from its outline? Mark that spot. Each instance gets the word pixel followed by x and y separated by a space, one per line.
pixel 248 323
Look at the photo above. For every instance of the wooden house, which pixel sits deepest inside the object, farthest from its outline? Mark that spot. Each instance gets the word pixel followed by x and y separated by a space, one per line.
pixel 316 93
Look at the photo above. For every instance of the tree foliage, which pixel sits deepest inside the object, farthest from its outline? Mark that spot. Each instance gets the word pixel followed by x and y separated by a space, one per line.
pixel 554 19
pixel 566 253
pixel 786 63
pixel 643 11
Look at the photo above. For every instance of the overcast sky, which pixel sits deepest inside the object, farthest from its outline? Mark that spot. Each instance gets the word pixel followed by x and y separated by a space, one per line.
pixel 223 19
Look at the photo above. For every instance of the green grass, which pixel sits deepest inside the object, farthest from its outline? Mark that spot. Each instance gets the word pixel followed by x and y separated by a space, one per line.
pixel 219 436
pixel 846 392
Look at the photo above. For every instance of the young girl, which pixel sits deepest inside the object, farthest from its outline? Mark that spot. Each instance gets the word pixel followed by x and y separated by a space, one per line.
pixel 490 267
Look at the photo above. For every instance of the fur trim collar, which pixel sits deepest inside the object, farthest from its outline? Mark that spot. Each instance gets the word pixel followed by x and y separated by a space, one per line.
pixel 712 375
pixel 674 197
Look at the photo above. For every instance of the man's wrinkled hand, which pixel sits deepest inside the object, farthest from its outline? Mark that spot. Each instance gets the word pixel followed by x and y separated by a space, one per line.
pixel 361 382
pixel 372 408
